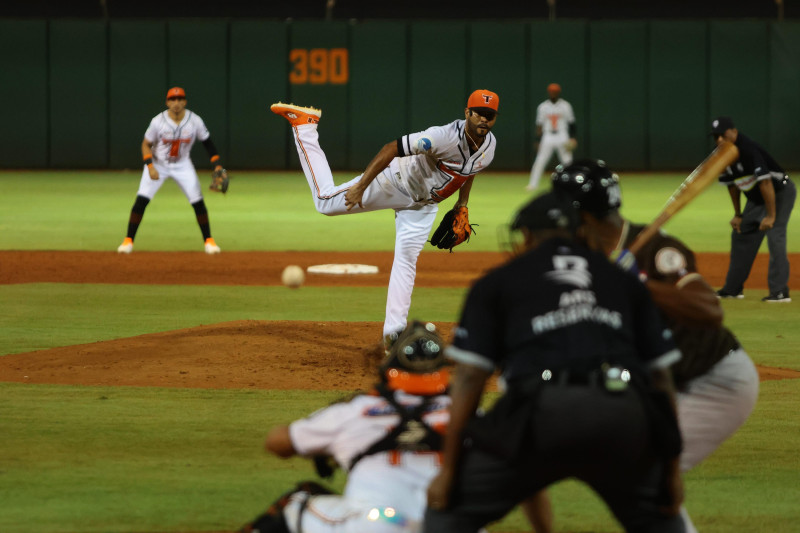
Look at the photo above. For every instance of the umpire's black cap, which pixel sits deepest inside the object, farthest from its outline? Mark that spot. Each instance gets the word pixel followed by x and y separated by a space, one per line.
pixel 551 210
pixel 720 125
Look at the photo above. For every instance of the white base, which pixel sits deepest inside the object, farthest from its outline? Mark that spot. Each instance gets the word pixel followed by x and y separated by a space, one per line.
pixel 342 268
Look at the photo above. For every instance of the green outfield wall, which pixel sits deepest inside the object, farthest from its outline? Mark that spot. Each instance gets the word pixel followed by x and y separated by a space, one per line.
pixel 80 93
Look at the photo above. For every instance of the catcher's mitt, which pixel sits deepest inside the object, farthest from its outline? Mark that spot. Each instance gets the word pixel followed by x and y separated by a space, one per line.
pixel 453 229
pixel 219 181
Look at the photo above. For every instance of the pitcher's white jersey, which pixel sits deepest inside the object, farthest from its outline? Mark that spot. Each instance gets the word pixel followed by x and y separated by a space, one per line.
pixel 431 165
pixel 555 117
pixel 436 162
pixel 396 479
pixel 173 142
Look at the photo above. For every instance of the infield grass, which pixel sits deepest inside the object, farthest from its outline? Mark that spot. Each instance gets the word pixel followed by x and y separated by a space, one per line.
pixel 274 211
pixel 103 459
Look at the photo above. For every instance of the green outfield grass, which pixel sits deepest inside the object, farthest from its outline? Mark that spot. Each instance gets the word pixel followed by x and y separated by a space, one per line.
pixel 135 459
pixel 274 211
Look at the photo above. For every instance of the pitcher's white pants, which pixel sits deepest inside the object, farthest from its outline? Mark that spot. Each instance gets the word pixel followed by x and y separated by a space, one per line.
pixel 413 220
pixel 547 146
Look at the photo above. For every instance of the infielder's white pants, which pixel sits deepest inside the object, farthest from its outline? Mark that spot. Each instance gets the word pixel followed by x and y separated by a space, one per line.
pixel 713 407
pixel 413 220
pixel 184 174
pixel 336 514
pixel 547 146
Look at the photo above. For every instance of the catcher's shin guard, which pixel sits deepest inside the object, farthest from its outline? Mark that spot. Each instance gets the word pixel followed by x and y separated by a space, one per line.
pixel 272 521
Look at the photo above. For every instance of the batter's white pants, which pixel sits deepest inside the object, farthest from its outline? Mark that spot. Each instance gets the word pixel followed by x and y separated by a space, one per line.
pixel 336 514
pixel 184 174
pixel 713 407
pixel 547 146
pixel 413 220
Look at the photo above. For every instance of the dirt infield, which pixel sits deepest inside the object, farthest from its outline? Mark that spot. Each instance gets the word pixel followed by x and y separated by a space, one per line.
pixel 244 354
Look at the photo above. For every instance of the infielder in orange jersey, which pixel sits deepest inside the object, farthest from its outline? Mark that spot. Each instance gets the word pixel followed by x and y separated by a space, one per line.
pixel 165 149
pixel 410 175
pixel 555 132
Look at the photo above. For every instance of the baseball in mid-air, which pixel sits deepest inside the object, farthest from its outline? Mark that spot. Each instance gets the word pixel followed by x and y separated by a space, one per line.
pixel 293 276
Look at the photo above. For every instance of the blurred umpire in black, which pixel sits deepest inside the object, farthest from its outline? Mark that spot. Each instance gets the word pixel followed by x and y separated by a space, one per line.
pixel 770 198
pixel 585 357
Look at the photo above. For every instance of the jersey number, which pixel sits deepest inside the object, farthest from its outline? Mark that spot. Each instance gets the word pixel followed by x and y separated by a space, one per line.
pixel 175 146
pixel 319 66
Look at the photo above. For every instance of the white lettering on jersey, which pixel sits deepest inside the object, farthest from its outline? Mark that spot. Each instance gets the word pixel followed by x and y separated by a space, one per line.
pixel 570 270
pixel 575 306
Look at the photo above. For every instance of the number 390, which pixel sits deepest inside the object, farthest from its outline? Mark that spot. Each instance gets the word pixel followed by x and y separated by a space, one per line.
pixel 319 66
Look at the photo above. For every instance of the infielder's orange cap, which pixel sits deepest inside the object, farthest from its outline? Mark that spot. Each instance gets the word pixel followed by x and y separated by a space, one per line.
pixel 554 88
pixel 176 92
pixel 483 98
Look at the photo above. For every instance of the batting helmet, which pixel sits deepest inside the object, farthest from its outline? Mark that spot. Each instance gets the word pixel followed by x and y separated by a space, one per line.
pixel 591 186
pixel 416 362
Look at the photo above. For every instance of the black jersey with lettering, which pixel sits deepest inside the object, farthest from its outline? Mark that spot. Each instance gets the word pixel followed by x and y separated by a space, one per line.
pixel 560 306
pixel 665 258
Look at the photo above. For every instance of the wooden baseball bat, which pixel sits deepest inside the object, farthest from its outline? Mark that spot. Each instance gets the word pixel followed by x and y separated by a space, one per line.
pixel 701 177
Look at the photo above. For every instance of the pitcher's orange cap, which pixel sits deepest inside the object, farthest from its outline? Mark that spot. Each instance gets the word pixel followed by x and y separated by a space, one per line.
pixel 554 88
pixel 176 92
pixel 483 98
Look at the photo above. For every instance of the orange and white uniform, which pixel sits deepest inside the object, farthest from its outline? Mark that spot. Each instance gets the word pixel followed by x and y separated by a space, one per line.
pixel 172 144
pixel 433 164
pixel 554 118
pixel 385 491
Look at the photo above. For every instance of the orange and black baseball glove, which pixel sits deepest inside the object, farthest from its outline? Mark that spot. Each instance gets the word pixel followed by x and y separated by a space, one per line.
pixel 453 229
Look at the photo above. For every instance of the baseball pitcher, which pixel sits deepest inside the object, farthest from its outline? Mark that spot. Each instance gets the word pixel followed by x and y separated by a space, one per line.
pixel 410 175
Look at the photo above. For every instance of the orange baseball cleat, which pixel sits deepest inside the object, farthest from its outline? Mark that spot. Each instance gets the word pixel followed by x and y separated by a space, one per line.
pixel 296 115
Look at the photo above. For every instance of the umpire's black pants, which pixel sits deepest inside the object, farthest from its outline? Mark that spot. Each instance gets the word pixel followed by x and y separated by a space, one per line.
pixel 745 245
pixel 576 431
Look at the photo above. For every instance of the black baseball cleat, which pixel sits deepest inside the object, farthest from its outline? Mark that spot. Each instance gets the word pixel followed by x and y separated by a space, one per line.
pixel 780 296
pixel 722 293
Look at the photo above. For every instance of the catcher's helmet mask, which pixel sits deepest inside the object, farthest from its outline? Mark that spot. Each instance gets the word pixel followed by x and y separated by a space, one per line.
pixel 591 186
pixel 416 361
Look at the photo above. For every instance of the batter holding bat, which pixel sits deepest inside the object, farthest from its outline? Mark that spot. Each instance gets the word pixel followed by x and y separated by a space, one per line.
pixel 165 149
pixel 716 380
pixel 411 176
